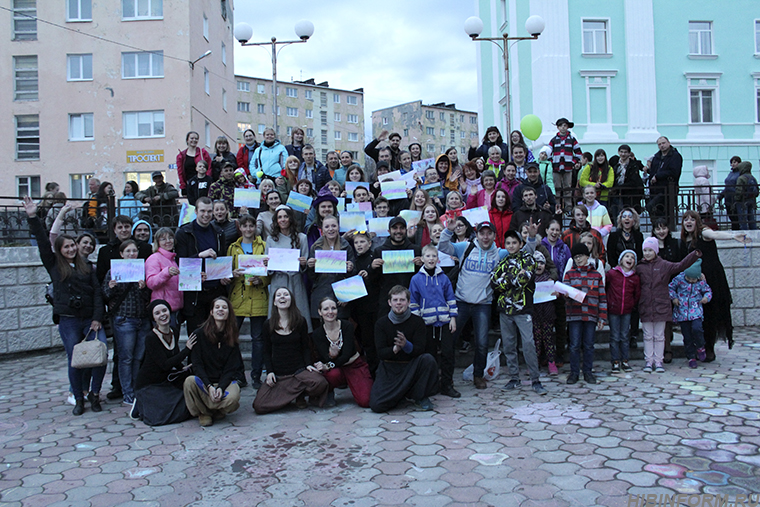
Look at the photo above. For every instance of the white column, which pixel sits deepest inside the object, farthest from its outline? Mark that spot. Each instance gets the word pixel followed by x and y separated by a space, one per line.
pixel 640 71
pixel 550 66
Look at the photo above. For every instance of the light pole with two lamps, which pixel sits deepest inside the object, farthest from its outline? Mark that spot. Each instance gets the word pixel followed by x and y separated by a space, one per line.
pixel 473 26
pixel 243 33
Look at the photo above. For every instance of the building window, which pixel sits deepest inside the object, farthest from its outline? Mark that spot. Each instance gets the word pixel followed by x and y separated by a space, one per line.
pixel 324 137
pixel 598 99
pixel 139 124
pixel 206 81
pixel 701 106
pixel 385 120
pixel 443 148
pixel 430 131
pixel 260 108
pixel 289 131
pixel 142 9
pixel 337 116
pixel 352 118
pixel 78 185
pixel 430 115
pixel 79 10
pixel 81 127
pixel 148 64
pixel 205 27
pixel 207 133
pixel 430 148
pixel 353 136
pixel 757 37
pixel 244 107
pixel 28 186
pixel 443 132
pixel 473 120
pixel 79 67
pixel 292 112
pixel 442 116
pixel 307 94
pixel 309 113
pixel 461 118
pixel 309 133
pixel 700 38
pixel 224 99
pixel 337 135
pixel 473 135
pixel 406 132
pixel 596 37
pixel 336 98
pixel 242 127
pixel 224 54
pixel 262 128
pixel 28 137
pixel 757 102
pixel 291 92
pixel 261 88
pixel 323 117
pixel 243 86
pixel 461 135
pixel 351 100
pixel 24 19
pixel 278 110
pixel 704 97
pixel 278 89
pixel 25 78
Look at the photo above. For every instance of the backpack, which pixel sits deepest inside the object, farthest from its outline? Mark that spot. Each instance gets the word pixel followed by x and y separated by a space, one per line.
pixel 454 273
pixel 750 188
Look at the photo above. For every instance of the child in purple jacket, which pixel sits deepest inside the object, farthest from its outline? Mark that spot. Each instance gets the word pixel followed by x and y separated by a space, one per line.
pixel 689 292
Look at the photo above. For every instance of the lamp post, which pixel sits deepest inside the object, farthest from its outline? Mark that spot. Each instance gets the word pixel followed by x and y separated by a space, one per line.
pixel 534 25
pixel 243 33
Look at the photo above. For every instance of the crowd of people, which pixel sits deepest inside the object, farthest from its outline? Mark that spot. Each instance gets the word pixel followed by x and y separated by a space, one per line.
pixel 553 254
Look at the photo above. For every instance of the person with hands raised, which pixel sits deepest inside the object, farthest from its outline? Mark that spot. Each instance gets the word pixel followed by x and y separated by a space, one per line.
pixel 397 240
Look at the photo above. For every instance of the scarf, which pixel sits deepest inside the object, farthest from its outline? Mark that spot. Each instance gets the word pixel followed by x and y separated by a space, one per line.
pixel 400 319
pixel 625 273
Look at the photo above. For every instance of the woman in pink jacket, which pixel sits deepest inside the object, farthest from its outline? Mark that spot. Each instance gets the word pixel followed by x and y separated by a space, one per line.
pixel 483 197
pixel 162 274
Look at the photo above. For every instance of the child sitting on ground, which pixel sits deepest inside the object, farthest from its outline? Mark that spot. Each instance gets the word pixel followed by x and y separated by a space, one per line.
pixel 689 292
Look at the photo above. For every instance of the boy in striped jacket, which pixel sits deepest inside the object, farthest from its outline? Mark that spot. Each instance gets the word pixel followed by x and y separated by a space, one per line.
pixel 583 317
pixel 433 299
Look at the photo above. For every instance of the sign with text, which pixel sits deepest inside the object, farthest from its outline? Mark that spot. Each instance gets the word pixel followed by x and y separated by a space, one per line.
pixel 144 156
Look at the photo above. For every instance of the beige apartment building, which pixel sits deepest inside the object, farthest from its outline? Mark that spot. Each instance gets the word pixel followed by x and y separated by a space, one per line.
pixel 331 118
pixel 110 89
pixel 437 127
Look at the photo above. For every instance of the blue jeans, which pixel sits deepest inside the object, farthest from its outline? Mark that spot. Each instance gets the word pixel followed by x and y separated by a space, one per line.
pixel 73 330
pixel 513 326
pixel 481 315
pixel 581 334
pixel 746 213
pixel 257 345
pixel 693 337
pixel 129 336
pixel 619 327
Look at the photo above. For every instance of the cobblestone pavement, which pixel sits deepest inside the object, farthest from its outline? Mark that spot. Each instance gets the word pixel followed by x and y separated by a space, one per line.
pixel 684 431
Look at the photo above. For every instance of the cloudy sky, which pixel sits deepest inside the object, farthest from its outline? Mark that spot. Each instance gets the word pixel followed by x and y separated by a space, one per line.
pixel 397 50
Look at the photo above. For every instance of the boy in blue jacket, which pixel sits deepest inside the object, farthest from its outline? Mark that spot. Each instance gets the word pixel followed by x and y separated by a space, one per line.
pixel 433 299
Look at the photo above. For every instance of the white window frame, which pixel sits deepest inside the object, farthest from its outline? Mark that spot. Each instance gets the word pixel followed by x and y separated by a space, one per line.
pixel 338 135
pixel 352 118
pixel 206 81
pixel 756 79
pixel 78 4
pixel 336 98
pixel 430 148
pixel 261 128
pixel 337 117
pixel 24 22
pixel 78 60
pixel 442 116
pixel 699 33
pixel 323 136
pixel 224 54
pixel 757 38
pixel 443 132
pixel 224 100
pixel 323 118
pixel 207 133
pixel 291 92
pixel 155 64
pixel 310 133
pixel 78 184
pixel 607 38
pixel 27 135
pixel 698 81
pixel 261 109
pixel 351 100
pixel 292 112
pixel 307 94
pixel 243 107
pixel 158 116
pixel 205 27
pixel 244 86
pixel 154 6
pixel 406 132
pixel 309 113
pixel 385 120
pixel 599 79
pixel 261 88
pixel 26 76
pixel 78 126
pixel 353 137
pixel 29 183
pixel 430 131
pixel 429 115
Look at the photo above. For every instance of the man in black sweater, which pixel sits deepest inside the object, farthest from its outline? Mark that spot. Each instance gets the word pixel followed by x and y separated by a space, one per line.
pixel 405 370
pixel 397 241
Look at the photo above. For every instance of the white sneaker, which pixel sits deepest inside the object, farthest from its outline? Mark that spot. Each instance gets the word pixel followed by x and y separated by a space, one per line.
pixel 71 400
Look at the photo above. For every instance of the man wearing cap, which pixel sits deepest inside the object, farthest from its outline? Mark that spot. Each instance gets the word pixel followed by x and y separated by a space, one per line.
pixel 566 152
pixel 544 195
pixel 394 140
pixel 395 242
pixel 162 198
pixel 474 292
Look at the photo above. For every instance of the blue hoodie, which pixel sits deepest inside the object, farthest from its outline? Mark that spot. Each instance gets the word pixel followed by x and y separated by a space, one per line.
pixel 270 159
pixel 433 297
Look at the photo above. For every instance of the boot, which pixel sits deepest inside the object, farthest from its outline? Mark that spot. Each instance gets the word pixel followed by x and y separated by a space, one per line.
pixel 79 407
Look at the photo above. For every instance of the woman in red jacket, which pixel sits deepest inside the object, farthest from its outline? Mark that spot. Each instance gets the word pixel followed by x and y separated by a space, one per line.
pixel 500 214
pixel 187 158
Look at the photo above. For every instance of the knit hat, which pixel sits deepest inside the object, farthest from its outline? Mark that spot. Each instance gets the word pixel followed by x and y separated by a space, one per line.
pixel 652 243
pixel 539 257
pixel 580 249
pixel 695 270
pixel 324 195
pixel 635 257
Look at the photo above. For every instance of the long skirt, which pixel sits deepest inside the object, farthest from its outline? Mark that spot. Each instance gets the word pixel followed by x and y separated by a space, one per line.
pixel 415 380
pixel 161 404
pixel 288 388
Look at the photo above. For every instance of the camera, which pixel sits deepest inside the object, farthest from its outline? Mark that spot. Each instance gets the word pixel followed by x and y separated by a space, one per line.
pixel 75 302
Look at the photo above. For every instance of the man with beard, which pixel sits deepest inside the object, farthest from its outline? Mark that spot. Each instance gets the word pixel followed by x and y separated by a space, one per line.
pixel 395 242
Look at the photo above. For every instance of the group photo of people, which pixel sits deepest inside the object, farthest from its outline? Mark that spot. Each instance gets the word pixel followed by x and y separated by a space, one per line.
pixel 374 279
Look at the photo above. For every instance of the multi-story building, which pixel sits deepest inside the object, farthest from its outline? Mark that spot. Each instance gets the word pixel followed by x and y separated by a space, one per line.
pixel 437 127
pixel 629 71
pixel 108 89
pixel 331 118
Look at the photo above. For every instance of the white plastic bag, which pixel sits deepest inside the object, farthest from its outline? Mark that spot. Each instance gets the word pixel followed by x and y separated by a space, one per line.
pixel 492 365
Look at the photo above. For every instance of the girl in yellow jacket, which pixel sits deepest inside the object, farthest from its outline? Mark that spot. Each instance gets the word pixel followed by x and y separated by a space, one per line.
pixel 248 294
pixel 600 174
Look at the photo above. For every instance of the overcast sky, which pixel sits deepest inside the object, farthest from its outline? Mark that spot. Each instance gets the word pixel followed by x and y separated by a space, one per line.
pixel 397 50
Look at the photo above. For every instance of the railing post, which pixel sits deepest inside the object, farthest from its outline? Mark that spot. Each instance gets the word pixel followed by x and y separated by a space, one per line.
pixel 110 216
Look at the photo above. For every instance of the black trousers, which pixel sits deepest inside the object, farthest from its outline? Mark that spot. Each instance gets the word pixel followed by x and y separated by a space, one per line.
pixel 439 343
pixel 365 323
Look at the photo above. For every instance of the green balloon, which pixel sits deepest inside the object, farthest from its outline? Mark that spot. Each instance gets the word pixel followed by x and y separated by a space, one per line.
pixel 531 127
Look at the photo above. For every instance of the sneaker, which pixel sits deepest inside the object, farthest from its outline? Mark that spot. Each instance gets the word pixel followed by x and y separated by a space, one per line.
pixel 659 369
pixel 648 368
pixel 450 392
pixel 692 363
pixel 128 400
pixel 539 389
pixel 465 348
pixel 71 400
pixel 590 378
pixel 480 383
pixel 205 420
pixel 94 400
pixel 701 354
pixel 615 367
pixel 511 385
pixel 667 357
pixel 552 369
pixel 133 412
pixel 424 404
pixel 572 379
pixel 626 367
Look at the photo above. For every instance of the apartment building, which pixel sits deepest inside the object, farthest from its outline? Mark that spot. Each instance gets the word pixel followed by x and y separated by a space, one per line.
pixel 110 89
pixel 437 127
pixel 331 118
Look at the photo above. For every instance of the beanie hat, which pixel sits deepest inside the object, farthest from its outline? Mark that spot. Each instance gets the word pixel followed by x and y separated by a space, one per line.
pixel 652 243
pixel 635 257
pixel 580 249
pixel 695 270
pixel 539 257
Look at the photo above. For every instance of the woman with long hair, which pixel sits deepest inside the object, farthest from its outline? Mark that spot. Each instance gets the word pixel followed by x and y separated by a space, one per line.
pixel 717 319
pixel 188 158
pixel 337 357
pixel 420 199
pixel 222 154
pixel 469 181
pixel 516 138
pixel 463 231
pixel 578 225
pixel 285 235
pixel 500 214
pixel 287 181
pixel 626 236
pixel 264 220
pixel 420 233
pixel 77 303
pixel 128 204
pixel 287 359
pixel 600 174
pixel 491 138
pixel 295 148
pixel 212 391
pixel 415 149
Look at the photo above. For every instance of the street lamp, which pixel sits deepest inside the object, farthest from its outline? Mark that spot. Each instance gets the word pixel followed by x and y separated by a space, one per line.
pixel 243 33
pixel 534 25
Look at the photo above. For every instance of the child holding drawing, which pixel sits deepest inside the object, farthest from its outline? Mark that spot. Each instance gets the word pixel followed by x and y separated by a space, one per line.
pixel 543 319
pixel 623 293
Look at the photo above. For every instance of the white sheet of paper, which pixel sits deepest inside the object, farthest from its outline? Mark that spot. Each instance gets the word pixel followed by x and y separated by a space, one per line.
pixel 283 259
pixel 445 260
